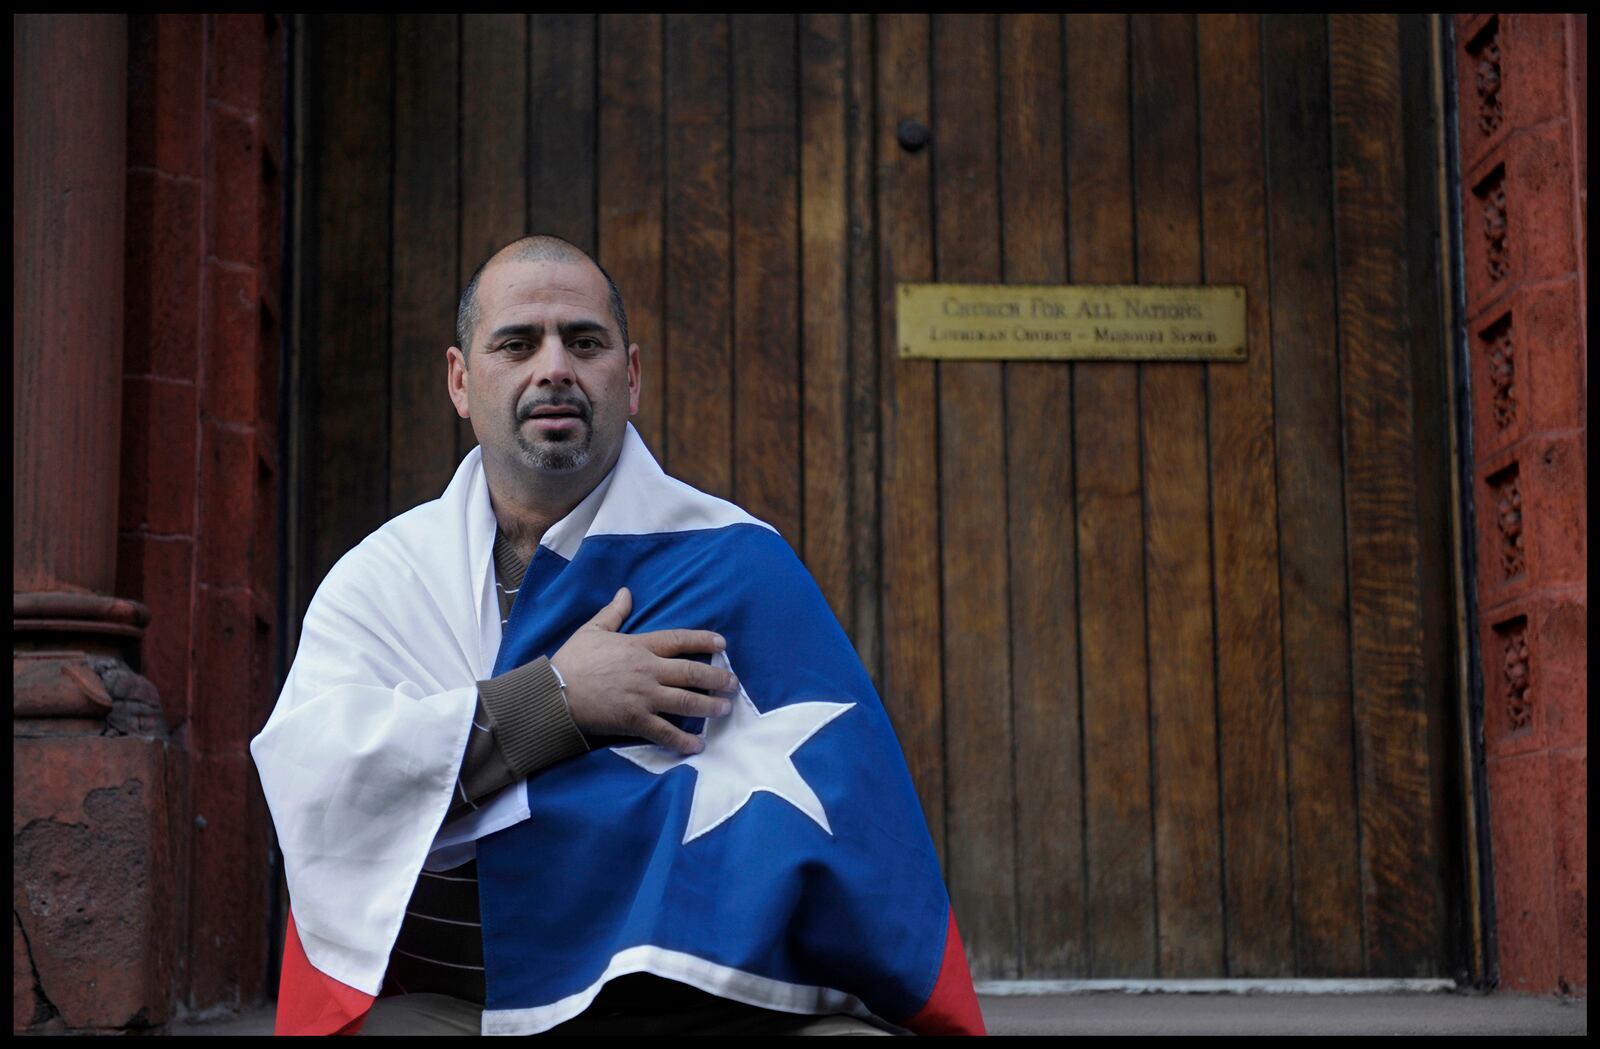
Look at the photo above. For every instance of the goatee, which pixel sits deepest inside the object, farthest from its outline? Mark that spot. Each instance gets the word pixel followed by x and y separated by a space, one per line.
pixel 556 457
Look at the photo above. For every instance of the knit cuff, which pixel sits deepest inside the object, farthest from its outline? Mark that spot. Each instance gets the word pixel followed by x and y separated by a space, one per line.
pixel 533 726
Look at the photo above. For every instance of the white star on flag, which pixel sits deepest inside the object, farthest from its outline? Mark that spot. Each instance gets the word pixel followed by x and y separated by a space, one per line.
pixel 744 752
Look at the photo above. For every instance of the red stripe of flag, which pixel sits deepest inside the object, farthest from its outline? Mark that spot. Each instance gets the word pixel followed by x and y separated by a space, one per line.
pixel 952 1008
pixel 312 1002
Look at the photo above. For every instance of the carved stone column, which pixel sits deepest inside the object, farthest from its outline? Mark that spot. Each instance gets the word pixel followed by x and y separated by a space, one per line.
pixel 92 870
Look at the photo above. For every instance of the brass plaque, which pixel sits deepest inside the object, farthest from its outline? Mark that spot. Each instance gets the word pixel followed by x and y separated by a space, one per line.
pixel 1122 322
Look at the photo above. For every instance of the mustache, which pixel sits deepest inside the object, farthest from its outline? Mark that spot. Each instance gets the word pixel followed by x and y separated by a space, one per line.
pixel 581 406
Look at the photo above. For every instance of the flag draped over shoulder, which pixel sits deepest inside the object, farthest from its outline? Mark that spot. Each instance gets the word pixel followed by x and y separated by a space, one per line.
pixel 359 758
pixel 786 866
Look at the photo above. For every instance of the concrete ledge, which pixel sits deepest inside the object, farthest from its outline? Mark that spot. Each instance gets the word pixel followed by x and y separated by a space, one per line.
pixel 1036 988
pixel 1247 1013
pixel 1123 1013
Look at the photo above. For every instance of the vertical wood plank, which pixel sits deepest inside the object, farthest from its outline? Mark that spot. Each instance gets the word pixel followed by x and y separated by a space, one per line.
pixel 494 146
pixel 972 482
pixel 631 176
pixel 1258 894
pixel 699 388
pixel 1042 537
pixel 1105 402
pixel 561 118
pixel 766 249
pixel 1429 336
pixel 909 495
pixel 825 311
pixel 351 162
pixel 1172 409
pixel 865 518
pixel 300 305
pixel 425 286
pixel 1316 626
pixel 1399 849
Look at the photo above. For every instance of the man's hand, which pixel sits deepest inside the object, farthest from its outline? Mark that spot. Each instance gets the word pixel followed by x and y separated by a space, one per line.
pixel 616 683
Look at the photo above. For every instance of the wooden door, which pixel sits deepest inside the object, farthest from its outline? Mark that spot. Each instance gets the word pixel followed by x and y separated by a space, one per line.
pixel 1165 644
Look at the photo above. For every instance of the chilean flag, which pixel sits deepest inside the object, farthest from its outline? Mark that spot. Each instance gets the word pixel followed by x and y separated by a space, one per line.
pixel 787 865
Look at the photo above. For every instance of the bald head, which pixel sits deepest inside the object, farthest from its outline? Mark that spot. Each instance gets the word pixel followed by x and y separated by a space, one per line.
pixel 530 249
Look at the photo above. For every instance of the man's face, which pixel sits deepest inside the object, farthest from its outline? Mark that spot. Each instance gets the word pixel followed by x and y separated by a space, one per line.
pixel 549 386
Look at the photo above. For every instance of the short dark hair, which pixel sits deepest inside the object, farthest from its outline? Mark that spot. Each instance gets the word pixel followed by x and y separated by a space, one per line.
pixel 531 249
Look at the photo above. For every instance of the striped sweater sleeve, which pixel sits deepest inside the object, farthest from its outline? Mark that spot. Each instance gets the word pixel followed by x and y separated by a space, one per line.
pixel 522 722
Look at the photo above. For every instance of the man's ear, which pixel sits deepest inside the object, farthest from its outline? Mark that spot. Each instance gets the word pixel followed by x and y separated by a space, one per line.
pixel 635 380
pixel 457 379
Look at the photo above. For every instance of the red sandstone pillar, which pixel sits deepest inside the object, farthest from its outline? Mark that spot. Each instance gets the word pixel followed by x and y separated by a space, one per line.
pixel 92 947
pixel 1523 133
pixel 69 111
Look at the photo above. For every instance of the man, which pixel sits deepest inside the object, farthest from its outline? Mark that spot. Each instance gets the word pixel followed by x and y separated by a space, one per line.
pixel 390 720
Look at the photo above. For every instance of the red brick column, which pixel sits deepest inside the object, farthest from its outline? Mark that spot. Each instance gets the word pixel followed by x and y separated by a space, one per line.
pixel 92 921
pixel 197 529
pixel 1523 132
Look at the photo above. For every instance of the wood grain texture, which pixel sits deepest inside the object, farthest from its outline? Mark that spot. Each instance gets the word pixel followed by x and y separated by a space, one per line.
pixel 1111 605
pixel 972 488
pixel 866 626
pixel 1311 520
pixel 699 289
pixel 766 273
pixel 351 161
pixel 827 424
pixel 494 146
pixel 426 282
pixel 1041 531
pixel 1399 848
pixel 1430 344
pixel 1107 605
pixel 561 123
pixel 909 496
pixel 1177 514
pixel 1259 890
pixel 631 195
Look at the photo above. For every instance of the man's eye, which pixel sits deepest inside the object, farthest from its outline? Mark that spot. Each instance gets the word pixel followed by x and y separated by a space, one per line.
pixel 585 343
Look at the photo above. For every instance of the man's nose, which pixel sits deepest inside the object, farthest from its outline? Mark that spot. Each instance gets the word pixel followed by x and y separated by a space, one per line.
pixel 552 364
